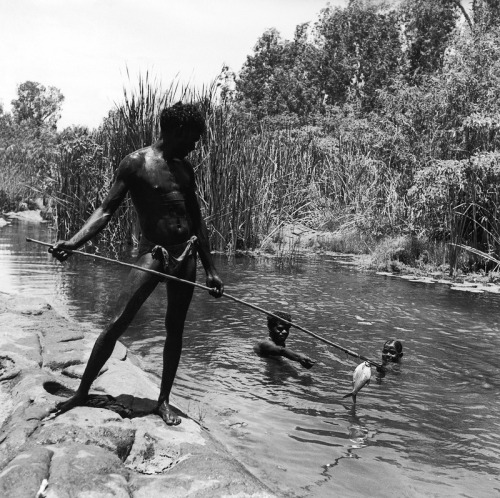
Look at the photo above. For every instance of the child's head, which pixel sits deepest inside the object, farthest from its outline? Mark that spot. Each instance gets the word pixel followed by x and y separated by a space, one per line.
pixel 278 330
pixel 392 351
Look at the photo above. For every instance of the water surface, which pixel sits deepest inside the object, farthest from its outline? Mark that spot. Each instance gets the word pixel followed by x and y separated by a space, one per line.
pixel 429 428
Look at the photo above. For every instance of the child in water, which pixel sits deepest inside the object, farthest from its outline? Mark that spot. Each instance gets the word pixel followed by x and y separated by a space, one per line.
pixel 392 351
pixel 278 333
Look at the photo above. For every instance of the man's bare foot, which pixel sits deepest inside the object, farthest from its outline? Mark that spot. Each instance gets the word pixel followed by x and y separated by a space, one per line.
pixel 76 400
pixel 167 413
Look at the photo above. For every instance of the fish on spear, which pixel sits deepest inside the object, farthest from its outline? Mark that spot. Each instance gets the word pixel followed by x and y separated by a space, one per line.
pixel 360 378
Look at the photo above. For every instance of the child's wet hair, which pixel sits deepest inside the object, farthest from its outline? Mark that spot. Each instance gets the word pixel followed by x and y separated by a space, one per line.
pixel 398 346
pixel 271 321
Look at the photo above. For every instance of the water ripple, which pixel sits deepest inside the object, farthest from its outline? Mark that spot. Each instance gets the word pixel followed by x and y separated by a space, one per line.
pixel 431 424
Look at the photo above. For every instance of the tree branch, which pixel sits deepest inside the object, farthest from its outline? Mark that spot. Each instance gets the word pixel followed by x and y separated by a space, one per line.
pixel 458 3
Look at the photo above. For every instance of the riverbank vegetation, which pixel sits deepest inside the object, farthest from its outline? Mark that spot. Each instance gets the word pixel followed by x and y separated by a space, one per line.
pixel 377 124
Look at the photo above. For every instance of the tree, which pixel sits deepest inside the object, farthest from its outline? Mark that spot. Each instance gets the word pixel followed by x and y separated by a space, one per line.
pixel 360 50
pixel 428 25
pixel 278 77
pixel 37 104
pixel 486 14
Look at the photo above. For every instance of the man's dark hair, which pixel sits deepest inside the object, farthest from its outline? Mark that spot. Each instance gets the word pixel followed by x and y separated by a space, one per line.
pixel 181 116
pixel 271 321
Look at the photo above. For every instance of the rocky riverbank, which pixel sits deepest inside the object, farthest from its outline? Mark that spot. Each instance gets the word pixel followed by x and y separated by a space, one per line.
pixel 113 447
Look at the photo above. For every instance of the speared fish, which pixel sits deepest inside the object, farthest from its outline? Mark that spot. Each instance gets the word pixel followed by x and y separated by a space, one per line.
pixel 360 379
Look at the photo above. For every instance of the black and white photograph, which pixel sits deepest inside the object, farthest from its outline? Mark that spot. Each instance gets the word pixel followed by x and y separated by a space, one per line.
pixel 249 248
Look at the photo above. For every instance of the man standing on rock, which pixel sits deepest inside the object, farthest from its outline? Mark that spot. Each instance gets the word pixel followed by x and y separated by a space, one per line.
pixel 161 184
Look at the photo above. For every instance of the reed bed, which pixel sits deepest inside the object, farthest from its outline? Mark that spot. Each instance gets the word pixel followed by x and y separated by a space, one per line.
pixel 252 179
pixel 252 183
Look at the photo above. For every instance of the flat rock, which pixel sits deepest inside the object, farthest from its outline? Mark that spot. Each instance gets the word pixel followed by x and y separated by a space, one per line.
pixel 24 474
pixel 216 475
pixel 97 450
pixel 89 426
pixel 32 216
pixel 17 342
pixel 80 471
pixel 120 352
pixel 495 289
pixel 154 450
pixel 474 290
pixel 130 385
pixel 76 371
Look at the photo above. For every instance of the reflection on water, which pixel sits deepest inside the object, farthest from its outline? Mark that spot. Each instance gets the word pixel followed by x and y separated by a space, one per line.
pixel 429 428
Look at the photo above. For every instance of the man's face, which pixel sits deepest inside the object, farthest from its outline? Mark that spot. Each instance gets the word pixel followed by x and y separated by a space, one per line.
pixel 279 333
pixel 184 142
pixel 392 351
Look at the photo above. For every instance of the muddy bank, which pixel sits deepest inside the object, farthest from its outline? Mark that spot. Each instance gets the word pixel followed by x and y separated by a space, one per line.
pixel 114 447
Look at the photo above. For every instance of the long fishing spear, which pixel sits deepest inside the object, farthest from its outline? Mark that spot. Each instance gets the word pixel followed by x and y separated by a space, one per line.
pixel 164 276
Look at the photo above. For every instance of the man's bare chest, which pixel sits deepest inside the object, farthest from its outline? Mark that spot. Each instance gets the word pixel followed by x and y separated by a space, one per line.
pixel 161 177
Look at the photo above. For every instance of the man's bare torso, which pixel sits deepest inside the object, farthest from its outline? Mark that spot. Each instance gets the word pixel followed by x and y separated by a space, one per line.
pixel 161 191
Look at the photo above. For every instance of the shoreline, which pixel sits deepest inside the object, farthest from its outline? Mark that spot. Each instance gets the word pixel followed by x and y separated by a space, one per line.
pixel 467 282
pixel 295 240
pixel 115 447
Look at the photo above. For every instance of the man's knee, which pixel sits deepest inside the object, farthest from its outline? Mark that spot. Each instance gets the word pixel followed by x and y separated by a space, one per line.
pixel 116 326
pixel 107 339
pixel 175 324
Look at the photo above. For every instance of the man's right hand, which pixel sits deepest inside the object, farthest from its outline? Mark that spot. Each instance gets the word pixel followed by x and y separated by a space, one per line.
pixel 215 284
pixel 61 250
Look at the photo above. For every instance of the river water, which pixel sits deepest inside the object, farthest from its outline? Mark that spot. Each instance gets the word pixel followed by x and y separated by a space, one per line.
pixel 431 427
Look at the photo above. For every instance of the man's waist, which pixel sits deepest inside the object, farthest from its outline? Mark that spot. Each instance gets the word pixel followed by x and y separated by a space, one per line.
pixel 154 241
pixel 173 257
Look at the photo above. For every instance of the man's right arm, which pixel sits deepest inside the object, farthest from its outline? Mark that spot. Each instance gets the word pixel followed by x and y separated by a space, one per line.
pixel 100 217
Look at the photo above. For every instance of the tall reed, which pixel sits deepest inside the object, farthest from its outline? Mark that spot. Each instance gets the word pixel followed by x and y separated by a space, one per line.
pixel 86 162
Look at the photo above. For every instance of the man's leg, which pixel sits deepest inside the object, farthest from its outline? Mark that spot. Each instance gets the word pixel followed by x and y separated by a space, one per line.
pixel 179 298
pixel 136 290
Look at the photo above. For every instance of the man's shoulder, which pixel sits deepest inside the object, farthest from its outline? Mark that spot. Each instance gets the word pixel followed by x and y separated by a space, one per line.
pixel 131 162
pixel 140 155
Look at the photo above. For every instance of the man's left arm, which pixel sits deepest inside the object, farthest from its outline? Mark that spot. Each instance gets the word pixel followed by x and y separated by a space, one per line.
pixel 201 232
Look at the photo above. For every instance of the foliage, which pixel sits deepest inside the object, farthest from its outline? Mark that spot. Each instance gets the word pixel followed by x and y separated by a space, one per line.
pixel 428 25
pixel 37 104
pixel 360 51
pixel 82 177
pixel 459 200
pixel 277 78
pixel 26 159
pixel 452 114
pixel 486 14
